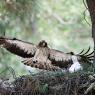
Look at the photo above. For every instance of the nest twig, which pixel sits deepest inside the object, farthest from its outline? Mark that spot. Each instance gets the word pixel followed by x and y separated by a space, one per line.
pixel 48 83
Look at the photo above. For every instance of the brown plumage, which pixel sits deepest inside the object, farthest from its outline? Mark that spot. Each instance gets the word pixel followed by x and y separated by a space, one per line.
pixel 41 56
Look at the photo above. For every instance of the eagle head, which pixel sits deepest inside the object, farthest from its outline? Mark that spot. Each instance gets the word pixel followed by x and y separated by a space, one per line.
pixel 42 43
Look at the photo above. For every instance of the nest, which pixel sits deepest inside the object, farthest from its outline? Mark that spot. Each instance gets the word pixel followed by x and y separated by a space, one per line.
pixel 48 83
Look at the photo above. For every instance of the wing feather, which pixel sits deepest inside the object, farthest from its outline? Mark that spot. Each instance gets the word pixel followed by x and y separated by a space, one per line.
pixel 58 55
pixel 18 47
pixel 60 59
pixel 40 65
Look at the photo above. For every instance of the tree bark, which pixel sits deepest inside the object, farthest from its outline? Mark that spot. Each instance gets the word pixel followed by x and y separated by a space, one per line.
pixel 91 8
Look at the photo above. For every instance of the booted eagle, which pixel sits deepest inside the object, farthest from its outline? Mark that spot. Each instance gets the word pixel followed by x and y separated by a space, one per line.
pixel 42 57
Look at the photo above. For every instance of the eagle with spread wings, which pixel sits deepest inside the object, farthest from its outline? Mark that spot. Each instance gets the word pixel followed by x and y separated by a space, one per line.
pixel 41 56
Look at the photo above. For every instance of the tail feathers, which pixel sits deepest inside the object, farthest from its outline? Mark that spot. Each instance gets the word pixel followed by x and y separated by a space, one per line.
pixel 86 57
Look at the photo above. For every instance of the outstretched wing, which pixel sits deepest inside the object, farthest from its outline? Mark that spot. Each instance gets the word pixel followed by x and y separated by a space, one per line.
pixel 18 47
pixel 60 59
